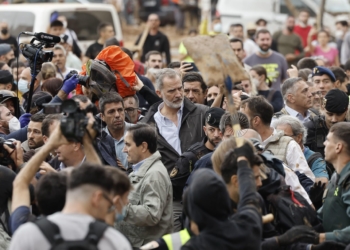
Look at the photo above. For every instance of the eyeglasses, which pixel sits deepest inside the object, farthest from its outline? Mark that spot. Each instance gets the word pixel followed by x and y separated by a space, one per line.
pixel 319 93
pixel 112 208
pixel 130 110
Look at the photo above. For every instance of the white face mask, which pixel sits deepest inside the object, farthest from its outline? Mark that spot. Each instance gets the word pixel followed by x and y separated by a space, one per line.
pixel 256 82
pixel 23 86
pixel 218 28
pixel 14 124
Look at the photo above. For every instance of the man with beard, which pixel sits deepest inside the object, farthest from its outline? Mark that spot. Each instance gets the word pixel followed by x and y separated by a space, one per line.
pixel 113 114
pixel 275 64
pixel 179 125
pixel 287 42
pixel 336 104
pixel 34 134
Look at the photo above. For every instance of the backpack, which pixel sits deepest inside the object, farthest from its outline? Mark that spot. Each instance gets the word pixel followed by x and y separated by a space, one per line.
pixel 184 166
pixel 118 63
pixel 52 233
pixel 290 209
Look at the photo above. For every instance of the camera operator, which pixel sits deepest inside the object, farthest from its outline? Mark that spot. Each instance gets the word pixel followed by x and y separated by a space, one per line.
pixel 20 195
pixel 105 143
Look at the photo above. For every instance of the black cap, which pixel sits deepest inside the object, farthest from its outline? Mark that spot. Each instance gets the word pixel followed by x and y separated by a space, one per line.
pixel 319 71
pixel 40 98
pixel 213 115
pixel 5 77
pixel 336 101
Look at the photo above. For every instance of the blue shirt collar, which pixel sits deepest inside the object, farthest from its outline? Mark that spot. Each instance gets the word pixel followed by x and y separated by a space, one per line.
pixel 136 167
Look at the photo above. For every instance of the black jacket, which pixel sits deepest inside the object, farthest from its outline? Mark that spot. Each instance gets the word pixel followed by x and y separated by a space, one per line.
pixel 207 203
pixel 106 149
pixel 159 42
pixel 191 131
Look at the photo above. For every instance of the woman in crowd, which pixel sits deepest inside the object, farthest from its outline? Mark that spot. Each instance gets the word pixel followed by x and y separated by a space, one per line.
pixel 262 82
pixel 323 49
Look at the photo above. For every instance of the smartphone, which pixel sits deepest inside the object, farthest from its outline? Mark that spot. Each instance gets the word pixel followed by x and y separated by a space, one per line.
pixel 194 67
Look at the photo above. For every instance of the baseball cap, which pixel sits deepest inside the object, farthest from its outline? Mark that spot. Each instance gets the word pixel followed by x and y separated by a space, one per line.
pixel 213 115
pixel 336 101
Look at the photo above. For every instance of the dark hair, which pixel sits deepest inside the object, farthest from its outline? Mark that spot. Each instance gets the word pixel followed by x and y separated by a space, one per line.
pixel 91 174
pixel 341 131
pixel 121 181
pixel 52 85
pixel 144 133
pixel 194 77
pixel 347 65
pixel 110 97
pixel 260 20
pixel 50 192
pixel 112 41
pixel 82 98
pixel 14 64
pixel 137 101
pixel 259 106
pixel 229 166
pixel 2 64
pixel 304 74
pixel 38 117
pixel 174 65
pixel 102 26
pixel 56 23
pixel 128 52
pixel 343 23
pixel 236 25
pixel 339 74
pixel 227 120
pixel 49 119
pixel 306 63
pixel 150 53
pixel 261 71
pixel 237 40
pixel 262 31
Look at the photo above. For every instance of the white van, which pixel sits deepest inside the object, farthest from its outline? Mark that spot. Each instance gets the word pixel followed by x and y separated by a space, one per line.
pixel 82 18
pixel 276 11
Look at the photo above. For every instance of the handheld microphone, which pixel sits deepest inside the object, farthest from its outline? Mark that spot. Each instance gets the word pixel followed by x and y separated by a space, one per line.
pixel 44 37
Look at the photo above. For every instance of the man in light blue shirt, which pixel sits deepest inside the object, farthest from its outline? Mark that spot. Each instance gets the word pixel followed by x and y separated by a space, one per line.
pixel 298 99
pixel 113 114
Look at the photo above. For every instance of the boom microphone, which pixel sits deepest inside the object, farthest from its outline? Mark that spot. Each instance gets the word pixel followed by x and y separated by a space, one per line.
pixel 44 37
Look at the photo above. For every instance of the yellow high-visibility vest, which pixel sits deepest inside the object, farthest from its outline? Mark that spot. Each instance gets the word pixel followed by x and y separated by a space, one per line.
pixel 174 241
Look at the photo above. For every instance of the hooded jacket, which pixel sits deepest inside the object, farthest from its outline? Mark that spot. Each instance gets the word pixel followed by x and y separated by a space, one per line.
pixel 207 203
pixel 191 131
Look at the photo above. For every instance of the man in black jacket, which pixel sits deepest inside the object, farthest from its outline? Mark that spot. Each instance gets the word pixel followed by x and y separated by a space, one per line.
pixel 155 40
pixel 179 124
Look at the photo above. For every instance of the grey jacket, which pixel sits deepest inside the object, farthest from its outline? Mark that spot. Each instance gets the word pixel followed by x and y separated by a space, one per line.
pixel 191 131
pixel 149 214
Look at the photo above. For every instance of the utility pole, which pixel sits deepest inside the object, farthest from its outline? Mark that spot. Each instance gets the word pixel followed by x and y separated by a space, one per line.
pixel 320 15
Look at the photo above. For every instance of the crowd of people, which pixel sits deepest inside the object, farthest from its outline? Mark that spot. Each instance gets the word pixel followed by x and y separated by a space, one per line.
pixel 165 168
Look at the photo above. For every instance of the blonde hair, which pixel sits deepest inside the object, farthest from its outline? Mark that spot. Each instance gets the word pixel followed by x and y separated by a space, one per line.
pixel 219 154
pixel 48 70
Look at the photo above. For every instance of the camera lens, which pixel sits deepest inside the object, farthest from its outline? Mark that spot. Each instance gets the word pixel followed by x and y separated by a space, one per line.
pixel 69 106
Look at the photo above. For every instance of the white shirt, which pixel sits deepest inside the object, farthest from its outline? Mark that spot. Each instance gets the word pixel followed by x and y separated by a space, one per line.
pixel 298 115
pixel 292 180
pixel 295 157
pixel 168 129
pixel 250 47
